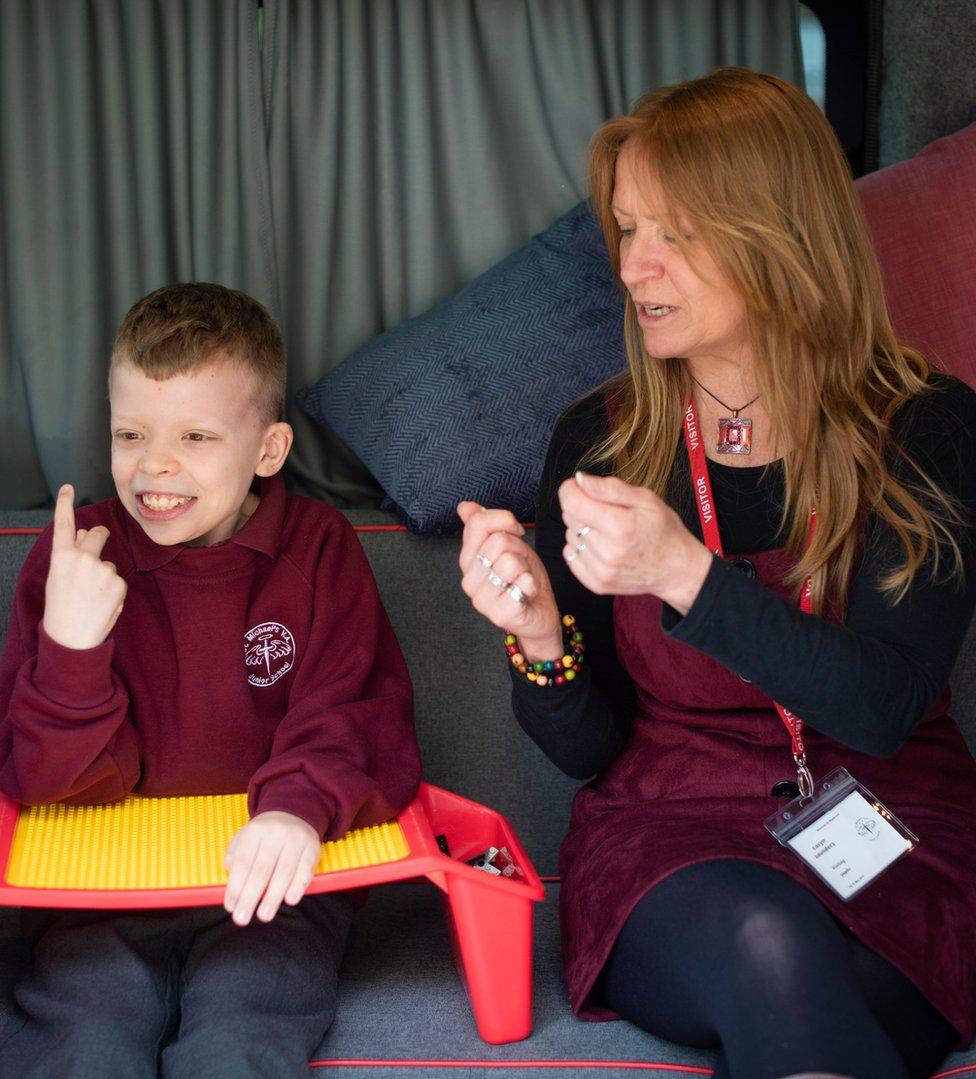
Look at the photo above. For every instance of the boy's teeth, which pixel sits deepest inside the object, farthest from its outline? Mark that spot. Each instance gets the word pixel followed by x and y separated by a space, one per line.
pixel 165 502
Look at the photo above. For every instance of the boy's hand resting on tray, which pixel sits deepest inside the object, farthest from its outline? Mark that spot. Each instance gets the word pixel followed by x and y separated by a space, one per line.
pixel 272 858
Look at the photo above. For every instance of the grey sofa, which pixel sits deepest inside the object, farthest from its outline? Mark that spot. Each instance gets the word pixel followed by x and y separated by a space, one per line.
pixel 402 1009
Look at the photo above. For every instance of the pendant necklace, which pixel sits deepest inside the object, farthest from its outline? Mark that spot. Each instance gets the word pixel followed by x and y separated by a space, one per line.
pixel 734 434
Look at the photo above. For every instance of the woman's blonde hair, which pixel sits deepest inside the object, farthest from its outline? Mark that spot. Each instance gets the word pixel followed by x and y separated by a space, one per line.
pixel 752 164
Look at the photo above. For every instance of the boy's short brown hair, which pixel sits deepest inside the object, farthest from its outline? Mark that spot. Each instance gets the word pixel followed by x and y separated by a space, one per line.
pixel 179 328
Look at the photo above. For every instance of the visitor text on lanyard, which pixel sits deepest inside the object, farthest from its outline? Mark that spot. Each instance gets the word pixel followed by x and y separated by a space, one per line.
pixel 707 515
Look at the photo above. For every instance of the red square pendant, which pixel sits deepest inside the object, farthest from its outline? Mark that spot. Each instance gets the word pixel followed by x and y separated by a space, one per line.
pixel 734 436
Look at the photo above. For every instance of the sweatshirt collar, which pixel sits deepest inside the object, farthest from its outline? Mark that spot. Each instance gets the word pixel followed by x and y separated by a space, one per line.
pixel 261 532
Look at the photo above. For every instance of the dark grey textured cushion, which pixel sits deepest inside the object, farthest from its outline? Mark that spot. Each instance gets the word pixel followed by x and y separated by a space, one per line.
pixel 460 402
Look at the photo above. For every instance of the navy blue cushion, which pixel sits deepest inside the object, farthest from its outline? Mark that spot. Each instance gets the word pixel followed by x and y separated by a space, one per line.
pixel 460 402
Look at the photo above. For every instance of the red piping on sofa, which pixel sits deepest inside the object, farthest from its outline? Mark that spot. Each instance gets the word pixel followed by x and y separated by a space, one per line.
pixel 630 1065
pixel 635 1065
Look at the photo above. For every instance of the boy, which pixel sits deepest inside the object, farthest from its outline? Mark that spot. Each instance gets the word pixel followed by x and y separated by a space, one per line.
pixel 203 632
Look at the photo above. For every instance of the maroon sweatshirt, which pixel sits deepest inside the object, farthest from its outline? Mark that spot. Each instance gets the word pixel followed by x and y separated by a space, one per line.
pixel 265 663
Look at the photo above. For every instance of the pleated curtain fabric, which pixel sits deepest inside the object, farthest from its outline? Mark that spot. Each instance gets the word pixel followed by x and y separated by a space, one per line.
pixel 348 162
pixel 132 143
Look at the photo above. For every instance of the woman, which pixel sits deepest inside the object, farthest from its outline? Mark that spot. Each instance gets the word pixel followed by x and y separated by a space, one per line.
pixel 774 522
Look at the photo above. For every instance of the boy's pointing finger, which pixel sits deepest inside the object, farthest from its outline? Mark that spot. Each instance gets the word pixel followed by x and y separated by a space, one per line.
pixel 64 518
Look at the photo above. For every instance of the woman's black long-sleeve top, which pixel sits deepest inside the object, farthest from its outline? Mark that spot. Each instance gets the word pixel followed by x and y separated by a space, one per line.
pixel 865 683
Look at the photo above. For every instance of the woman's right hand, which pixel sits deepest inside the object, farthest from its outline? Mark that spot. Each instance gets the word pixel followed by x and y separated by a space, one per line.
pixel 494 560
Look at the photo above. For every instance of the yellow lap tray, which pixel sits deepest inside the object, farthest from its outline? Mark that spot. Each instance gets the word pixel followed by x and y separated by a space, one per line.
pixel 159 843
pixel 153 853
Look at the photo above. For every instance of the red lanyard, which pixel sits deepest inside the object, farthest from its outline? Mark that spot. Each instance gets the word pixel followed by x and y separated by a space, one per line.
pixel 702 486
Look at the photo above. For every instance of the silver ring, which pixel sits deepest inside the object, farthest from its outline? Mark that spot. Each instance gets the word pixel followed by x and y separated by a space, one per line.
pixel 495 581
pixel 516 593
pixel 584 531
pixel 580 548
pixel 484 560
pixel 571 556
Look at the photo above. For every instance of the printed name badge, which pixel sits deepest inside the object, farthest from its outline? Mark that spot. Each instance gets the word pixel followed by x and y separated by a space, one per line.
pixel 842 832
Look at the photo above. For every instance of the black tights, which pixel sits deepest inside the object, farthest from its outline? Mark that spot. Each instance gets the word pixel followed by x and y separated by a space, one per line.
pixel 735 954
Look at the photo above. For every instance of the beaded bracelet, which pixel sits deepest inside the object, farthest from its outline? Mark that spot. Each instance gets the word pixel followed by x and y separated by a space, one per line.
pixel 550 672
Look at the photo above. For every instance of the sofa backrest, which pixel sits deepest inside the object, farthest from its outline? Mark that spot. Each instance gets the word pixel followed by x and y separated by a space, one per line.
pixel 470 741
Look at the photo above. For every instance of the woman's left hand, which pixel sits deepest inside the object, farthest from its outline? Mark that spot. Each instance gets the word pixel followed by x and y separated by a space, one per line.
pixel 624 540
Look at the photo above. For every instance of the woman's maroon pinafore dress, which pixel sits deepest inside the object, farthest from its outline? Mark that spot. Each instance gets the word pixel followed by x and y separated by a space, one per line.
pixel 694 782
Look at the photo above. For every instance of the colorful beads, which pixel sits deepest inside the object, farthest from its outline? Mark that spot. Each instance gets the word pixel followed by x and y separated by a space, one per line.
pixel 550 672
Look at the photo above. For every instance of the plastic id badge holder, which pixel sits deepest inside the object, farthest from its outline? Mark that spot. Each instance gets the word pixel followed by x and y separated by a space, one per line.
pixel 842 832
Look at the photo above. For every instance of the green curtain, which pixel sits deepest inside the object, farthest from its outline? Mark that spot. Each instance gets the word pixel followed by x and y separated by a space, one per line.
pixel 349 166
pixel 131 155
pixel 414 144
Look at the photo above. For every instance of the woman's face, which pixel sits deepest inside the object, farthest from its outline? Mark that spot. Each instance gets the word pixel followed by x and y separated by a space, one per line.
pixel 679 312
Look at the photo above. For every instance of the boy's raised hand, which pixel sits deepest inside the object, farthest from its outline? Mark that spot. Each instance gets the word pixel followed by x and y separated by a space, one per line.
pixel 83 597
pixel 272 858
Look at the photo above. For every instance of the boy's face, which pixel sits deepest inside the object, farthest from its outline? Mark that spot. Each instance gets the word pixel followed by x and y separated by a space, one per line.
pixel 185 450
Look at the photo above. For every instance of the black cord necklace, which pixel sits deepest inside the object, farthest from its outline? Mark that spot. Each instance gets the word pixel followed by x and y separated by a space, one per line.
pixel 734 433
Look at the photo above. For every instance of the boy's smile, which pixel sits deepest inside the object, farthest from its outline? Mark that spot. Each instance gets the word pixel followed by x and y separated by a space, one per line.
pixel 185 450
pixel 157 506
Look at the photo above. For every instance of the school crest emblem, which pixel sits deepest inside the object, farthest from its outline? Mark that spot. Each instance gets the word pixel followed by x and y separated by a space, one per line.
pixel 269 653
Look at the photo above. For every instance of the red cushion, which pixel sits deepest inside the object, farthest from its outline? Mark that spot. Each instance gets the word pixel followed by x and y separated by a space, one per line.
pixel 922 217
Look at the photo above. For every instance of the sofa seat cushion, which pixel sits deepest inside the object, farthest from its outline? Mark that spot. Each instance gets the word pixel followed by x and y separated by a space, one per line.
pixel 400 1000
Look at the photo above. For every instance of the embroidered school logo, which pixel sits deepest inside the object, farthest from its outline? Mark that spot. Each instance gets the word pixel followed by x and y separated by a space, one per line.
pixel 269 649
